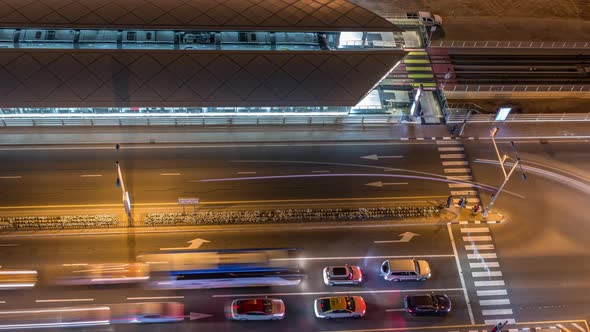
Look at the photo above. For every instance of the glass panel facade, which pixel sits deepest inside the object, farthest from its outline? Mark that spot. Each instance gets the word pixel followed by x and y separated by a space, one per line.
pixel 196 40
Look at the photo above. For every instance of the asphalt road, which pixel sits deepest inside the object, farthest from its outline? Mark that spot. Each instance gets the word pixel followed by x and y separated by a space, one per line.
pixel 544 244
pixel 317 249
pixel 541 249
pixel 162 174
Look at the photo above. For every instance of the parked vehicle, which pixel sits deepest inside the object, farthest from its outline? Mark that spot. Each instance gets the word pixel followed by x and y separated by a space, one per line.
pixel 427 18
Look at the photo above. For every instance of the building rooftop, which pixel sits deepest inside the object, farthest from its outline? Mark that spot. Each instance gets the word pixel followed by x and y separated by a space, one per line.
pixel 215 15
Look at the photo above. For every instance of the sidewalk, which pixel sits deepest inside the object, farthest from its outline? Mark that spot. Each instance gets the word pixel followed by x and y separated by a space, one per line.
pixel 276 134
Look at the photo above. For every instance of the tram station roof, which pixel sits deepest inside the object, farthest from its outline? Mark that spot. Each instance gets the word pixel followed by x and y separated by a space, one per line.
pixel 212 15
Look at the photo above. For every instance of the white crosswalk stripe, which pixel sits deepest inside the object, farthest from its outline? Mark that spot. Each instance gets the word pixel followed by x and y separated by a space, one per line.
pixel 498 320
pixel 460 177
pixel 450 148
pixel 447 142
pixel 463 192
pixel 493 312
pixel 457 170
pixel 492 292
pixel 479 247
pixel 579 327
pixel 470 200
pixel 563 328
pixel 455 163
pixel 475 230
pixel 461 185
pixel 486 274
pixel 489 283
pixel 485 265
pixel 452 156
pixel 480 256
pixel 477 238
pixel 494 302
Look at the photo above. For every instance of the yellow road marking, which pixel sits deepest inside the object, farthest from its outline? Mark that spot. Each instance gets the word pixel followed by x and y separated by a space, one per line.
pixel 225 202
pixel 424 84
pixel 416 61
pixel 417 53
pixel 420 76
pixel 418 68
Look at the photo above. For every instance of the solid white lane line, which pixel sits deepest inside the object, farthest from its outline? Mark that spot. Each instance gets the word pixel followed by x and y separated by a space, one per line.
pixel 496 321
pixel 64 300
pixel 457 170
pixel 154 298
pixel 485 274
pixel 452 156
pixel 475 230
pixel 492 312
pixel 492 292
pixel 489 283
pixel 579 327
pixel 495 302
pixel 450 148
pixel 479 247
pixel 320 171
pixel 244 173
pixel 477 238
pixel 169 174
pixel 455 163
pixel 563 328
pixel 356 257
pixel 9 245
pixel 393 310
pixel 460 271
pixel 343 292
pixel 11 177
pixel 90 175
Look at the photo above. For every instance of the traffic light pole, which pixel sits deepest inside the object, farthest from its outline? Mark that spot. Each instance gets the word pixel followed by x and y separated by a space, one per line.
pixel 126 199
pixel 501 160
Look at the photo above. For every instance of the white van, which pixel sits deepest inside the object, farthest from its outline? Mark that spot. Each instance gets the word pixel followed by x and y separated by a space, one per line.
pixel 427 18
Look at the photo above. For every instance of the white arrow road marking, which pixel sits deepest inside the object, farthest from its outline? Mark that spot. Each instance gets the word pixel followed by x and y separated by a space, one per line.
pixel 197 315
pixel 194 244
pixel 381 184
pixel 377 157
pixel 406 237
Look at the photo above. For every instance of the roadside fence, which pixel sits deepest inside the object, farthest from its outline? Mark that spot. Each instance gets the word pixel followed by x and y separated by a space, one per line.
pixel 511 44
pixel 539 117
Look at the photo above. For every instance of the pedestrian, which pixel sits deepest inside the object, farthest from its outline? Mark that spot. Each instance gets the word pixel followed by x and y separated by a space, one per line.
pixel 475 209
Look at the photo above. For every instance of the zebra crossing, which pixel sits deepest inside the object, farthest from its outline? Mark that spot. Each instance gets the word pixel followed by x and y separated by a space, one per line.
pixel 485 271
pixel 456 167
pixel 564 326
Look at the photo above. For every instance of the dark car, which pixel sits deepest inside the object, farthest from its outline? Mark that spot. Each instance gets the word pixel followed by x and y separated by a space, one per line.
pixel 427 304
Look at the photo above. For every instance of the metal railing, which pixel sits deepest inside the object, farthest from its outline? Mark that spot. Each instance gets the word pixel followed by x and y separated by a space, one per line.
pixel 517 88
pixel 538 117
pixel 512 44
pixel 146 120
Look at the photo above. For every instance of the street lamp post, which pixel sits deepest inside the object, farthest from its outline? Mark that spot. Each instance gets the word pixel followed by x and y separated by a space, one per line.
pixel 126 199
pixel 507 176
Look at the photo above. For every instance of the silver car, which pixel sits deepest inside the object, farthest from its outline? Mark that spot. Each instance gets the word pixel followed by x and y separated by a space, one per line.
pixel 342 275
pixel 256 309
pixel 405 269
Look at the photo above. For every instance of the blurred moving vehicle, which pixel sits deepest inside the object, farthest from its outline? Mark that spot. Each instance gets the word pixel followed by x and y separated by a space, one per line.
pixel 99 274
pixel 147 312
pixel 54 317
pixel 427 304
pixel 221 269
pixel 342 275
pixel 405 269
pixel 340 307
pixel 16 279
pixel 427 18
pixel 256 309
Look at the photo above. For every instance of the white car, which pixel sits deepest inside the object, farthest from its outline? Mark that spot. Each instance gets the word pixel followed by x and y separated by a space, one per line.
pixel 340 307
pixel 342 275
pixel 256 309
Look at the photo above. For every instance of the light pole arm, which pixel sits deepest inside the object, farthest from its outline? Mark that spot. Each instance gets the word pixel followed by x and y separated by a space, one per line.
pixel 499 158
pixel 493 200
